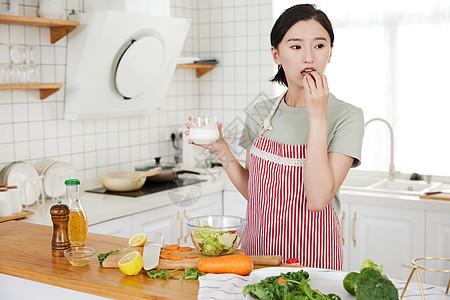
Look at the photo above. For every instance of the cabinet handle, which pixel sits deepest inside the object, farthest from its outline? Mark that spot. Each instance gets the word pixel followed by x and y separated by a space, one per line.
pixel 179 217
pixel 353 233
pixel 342 228
pixel 187 234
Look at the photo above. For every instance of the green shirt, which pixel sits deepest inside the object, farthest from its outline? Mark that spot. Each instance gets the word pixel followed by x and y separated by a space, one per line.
pixel 291 126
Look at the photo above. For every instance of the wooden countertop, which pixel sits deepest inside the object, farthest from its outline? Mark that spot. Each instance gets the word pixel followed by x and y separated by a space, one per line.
pixel 25 252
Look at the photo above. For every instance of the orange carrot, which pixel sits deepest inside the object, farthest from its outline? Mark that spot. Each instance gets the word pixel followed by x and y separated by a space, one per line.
pixel 282 281
pixel 185 249
pixel 166 252
pixel 172 247
pixel 191 256
pixel 164 256
pixel 175 256
pixel 240 264
pixel 140 249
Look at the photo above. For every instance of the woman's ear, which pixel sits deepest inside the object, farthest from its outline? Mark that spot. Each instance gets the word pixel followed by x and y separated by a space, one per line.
pixel 331 52
pixel 275 55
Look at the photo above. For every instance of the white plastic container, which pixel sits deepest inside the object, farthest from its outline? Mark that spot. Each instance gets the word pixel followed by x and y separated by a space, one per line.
pixel 5 204
pixel 14 197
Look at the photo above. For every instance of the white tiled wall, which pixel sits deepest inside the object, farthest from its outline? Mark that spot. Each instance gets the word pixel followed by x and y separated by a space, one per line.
pixel 234 32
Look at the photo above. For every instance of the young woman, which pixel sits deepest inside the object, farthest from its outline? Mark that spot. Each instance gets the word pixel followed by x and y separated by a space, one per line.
pixel 300 147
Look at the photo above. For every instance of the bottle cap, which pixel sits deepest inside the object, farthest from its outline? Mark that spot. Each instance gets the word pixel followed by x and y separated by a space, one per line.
pixel 72 182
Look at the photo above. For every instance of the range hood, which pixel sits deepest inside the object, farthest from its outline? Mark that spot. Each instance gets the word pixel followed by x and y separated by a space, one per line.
pixel 121 63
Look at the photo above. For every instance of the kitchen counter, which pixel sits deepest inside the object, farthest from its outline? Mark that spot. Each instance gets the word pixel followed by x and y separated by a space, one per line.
pixel 25 252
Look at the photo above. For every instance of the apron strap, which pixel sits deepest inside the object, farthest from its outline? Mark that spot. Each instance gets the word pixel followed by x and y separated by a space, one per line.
pixel 265 125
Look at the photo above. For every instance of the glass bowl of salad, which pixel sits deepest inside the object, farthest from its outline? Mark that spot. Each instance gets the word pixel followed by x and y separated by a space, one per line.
pixel 216 235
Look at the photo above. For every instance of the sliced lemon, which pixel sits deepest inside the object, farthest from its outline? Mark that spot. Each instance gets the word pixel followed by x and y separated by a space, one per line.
pixel 131 264
pixel 137 240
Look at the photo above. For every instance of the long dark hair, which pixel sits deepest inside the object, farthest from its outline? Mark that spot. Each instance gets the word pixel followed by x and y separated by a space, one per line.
pixel 300 12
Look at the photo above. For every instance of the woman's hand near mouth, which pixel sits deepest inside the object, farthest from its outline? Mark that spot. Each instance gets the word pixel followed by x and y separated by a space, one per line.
pixel 317 93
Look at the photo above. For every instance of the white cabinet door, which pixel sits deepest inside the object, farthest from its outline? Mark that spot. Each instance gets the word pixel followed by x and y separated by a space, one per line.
pixel 234 204
pixel 344 218
pixel 156 220
pixel 120 227
pixel 389 236
pixel 437 245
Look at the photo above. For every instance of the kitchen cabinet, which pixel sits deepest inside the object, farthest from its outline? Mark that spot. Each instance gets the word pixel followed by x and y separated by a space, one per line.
pixel 120 227
pixel 388 236
pixel 58 29
pixel 437 237
pixel 234 204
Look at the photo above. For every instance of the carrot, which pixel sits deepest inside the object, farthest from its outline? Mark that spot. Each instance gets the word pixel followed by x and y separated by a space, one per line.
pixel 172 247
pixel 140 249
pixel 185 249
pixel 191 256
pixel 240 264
pixel 165 252
pixel 175 256
pixel 282 281
pixel 164 256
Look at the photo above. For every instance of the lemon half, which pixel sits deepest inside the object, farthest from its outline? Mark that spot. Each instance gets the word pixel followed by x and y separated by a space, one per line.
pixel 137 240
pixel 131 264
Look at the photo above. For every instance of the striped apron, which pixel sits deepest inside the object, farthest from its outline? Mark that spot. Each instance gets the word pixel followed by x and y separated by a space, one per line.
pixel 279 222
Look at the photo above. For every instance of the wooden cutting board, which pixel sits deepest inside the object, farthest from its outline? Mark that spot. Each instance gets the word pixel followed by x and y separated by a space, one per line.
pixel 112 260
pixel 438 196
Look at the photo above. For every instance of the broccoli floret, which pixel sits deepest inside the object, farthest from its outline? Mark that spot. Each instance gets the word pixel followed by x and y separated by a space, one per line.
pixel 381 289
pixel 368 263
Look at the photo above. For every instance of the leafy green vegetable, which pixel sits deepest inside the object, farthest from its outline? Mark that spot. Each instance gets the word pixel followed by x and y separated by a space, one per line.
pixel 368 263
pixel 213 242
pixel 296 288
pixel 102 256
pixel 163 274
pixel 191 273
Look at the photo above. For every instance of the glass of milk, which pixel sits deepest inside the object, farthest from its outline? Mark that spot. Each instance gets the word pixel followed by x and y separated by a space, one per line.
pixel 204 130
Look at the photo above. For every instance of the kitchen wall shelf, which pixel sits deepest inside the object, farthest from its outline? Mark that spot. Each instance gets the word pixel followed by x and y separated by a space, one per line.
pixel 45 89
pixel 58 28
pixel 201 69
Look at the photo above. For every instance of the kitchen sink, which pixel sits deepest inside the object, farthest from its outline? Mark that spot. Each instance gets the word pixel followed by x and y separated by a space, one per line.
pixel 397 186
pixel 359 181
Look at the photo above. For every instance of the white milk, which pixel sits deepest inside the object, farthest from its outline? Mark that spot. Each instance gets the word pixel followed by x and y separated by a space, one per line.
pixel 203 136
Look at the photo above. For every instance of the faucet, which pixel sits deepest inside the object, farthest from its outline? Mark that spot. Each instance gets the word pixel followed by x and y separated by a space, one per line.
pixel 391 165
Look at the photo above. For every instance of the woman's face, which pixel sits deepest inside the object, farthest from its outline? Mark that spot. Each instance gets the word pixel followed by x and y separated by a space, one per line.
pixel 305 47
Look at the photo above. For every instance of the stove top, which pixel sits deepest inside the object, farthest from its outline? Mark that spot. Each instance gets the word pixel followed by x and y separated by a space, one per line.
pixel 150 187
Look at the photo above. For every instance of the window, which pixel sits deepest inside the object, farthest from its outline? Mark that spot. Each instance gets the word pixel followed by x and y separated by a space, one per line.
pixel 390 58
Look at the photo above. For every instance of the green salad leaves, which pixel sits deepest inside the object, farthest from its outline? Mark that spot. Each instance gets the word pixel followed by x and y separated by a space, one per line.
pixel 213 242
pixel 292 286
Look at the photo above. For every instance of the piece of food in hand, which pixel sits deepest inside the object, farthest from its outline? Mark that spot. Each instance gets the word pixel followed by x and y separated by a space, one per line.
pixel 172 247
pixel 137 240
pixel 131 264
pixel 237 264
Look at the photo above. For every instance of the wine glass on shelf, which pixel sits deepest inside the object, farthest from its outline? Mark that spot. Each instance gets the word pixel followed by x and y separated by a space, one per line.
pixel 32 67
pixel 16 56
pixel 4 63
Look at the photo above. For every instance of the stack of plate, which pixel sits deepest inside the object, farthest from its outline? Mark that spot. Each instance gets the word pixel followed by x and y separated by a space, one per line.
pixel 17 173
pixel 55 172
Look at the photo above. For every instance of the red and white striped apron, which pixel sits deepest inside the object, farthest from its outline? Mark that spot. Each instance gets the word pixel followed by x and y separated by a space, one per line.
pixel 279 222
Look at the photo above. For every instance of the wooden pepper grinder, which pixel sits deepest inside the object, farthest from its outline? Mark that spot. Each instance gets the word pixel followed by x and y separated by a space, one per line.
pixel 60 218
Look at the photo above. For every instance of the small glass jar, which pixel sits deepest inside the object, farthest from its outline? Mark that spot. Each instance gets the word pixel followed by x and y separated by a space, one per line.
pixel 78 227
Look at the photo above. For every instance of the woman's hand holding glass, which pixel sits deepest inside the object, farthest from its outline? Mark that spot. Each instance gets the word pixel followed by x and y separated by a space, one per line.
pixel 206 132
